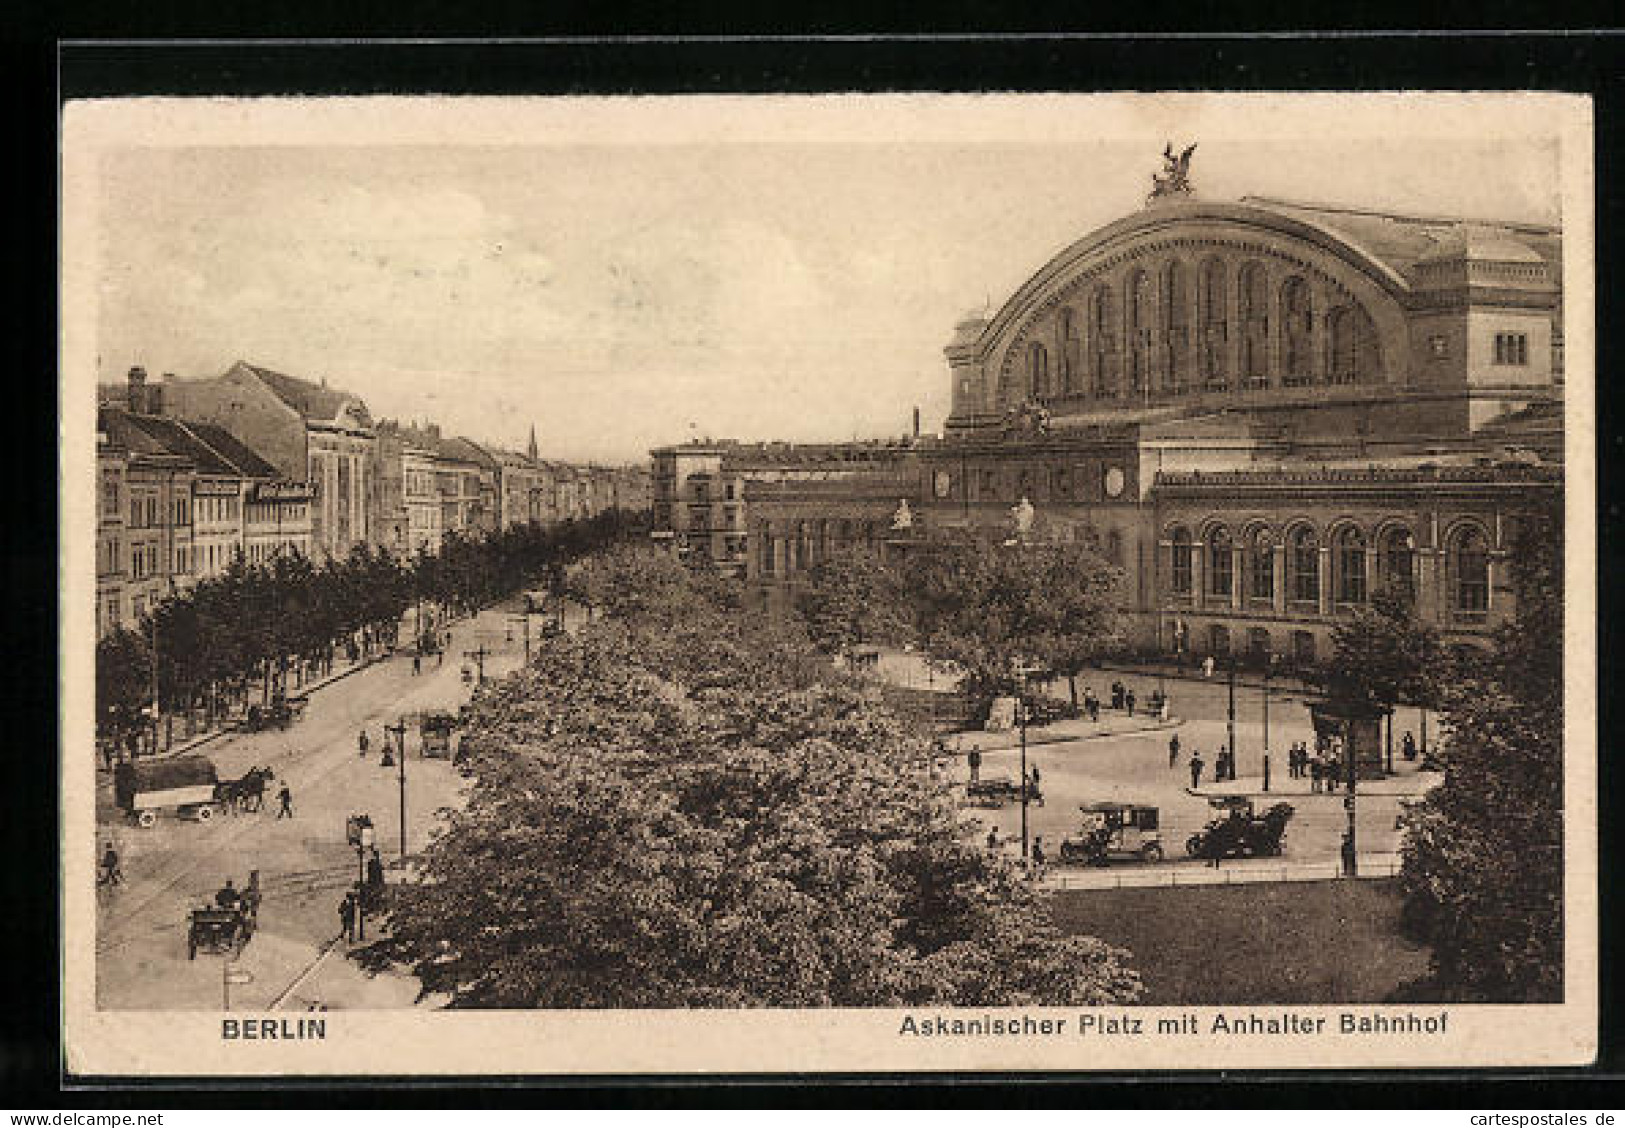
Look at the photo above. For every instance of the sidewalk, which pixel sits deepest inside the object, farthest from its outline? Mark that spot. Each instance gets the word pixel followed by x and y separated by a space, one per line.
pixel 308 688
pixel 1111 723
pixel 1405 784
pixel 1128 875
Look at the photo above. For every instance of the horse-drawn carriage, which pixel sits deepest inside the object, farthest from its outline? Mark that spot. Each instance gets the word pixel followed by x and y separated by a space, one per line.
pixel 279 713
pixel 1115 830
pixel 1240 832
pixel 246 794
pixel 996 791
pixel 228 925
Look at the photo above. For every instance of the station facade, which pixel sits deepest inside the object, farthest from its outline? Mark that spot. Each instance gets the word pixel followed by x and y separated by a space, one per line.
pixel 1261 411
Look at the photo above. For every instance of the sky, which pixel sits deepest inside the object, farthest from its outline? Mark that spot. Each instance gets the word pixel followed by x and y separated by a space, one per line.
pixel 623 295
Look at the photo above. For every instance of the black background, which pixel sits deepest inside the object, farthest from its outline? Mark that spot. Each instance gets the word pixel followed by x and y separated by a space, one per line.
pixel 120 50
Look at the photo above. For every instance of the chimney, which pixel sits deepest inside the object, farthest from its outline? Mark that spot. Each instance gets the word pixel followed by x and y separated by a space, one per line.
pixel 155 395
pixel 916 422
pixel 138 391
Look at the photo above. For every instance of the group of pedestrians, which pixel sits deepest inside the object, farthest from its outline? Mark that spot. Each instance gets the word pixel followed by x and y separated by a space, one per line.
pixel 1224 763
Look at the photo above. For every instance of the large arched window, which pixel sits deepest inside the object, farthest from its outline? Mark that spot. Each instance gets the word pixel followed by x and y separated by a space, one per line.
pixel 1261 565
pixel 1139 322
pixel 1175 326
pixel 1396 562
pixel 1103 342
pixel 1037 371
pixel 1349 565
pixel 1221 563
pixel 1180 572
pixel 1214 315
pixel 1354 346
pixel 1297 322
pixel 1303 566
pixel 1071 356
pixel 1255 326
pixel 1470 572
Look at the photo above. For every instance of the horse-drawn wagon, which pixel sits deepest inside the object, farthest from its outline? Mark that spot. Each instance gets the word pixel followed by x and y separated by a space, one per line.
pixel 279 713
pixel 186 786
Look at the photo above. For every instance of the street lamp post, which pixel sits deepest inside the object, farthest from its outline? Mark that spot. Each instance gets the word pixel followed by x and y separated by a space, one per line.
pixel 1269 667
pixel 363 843
pixel 1230 721
pixel 399 729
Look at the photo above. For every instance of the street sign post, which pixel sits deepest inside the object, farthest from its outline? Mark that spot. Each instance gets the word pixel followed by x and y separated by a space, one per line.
pixel 230 973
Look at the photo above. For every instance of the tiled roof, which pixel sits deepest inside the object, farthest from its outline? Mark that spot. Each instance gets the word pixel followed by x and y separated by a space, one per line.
pixel 1403 240
pixel 238 454
pixel 313 401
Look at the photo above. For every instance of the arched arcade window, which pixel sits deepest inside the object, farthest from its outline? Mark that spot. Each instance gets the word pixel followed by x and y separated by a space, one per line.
pixel 1303 566
pixel 1255 326
pixel 1349 565
pixel 1470 572
pixel 1139 342
pixel 1070 351
pixel 1103 342
pixel 1354 346
pixel 1180 571
pixel 1175 326
pixel 1215 313
pixel 1297 322
pixel 1261 565
pixel 1221 563
pixel 1038 371
pixel 1396 562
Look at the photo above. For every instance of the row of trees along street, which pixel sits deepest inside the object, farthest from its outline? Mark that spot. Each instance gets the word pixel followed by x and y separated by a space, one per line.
pixel 267 629
pixel 685 804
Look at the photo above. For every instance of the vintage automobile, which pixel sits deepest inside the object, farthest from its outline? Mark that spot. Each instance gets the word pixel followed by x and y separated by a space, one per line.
pixel 996 791
pixel 185 785
pixel 1129 831
pixel 1240 832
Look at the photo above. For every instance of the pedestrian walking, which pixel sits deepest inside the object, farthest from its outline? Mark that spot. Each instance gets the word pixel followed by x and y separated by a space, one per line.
pixel 1196 770
pixel 1128 700
pixel 1035 777
pixel 974 759
pixel 993 838
pixel 347 910
pixel 1316 768
pixel 1408 747
pixel 111 873
pixel 361 742
pixel 1038 857
pixel 1117 695
pixel 417 664
pixel 375 871
pixel 284 800
pixel 1173 751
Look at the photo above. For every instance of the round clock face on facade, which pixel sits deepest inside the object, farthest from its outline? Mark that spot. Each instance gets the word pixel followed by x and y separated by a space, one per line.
pixel 944 483
pixel 1114 481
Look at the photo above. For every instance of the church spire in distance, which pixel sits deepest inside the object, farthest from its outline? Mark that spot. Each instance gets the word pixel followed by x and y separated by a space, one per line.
pixel 530 451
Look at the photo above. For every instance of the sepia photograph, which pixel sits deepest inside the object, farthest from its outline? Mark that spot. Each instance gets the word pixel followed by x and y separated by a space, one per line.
pixel 582 585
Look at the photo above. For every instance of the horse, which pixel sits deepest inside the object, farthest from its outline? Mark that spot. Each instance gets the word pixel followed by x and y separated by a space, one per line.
pixel 248 793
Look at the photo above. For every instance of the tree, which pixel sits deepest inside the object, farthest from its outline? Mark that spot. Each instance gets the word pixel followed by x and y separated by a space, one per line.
pixel 1483 857
pixel 851 599
pixel 991 610
pixel 1384 654
pixel 123 683
pixel 668 809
